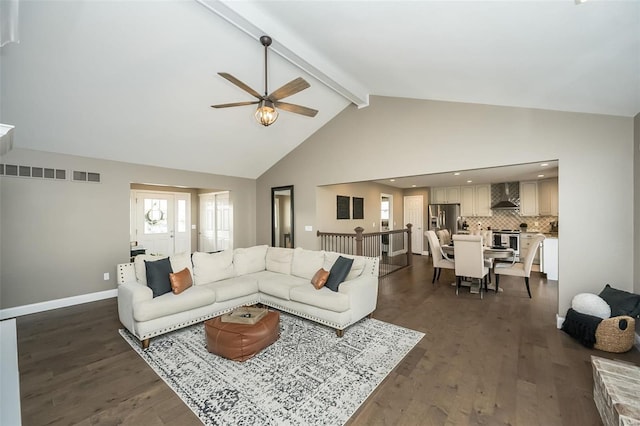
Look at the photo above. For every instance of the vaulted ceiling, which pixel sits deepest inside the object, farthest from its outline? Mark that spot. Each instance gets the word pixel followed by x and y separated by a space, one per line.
pixel 133 80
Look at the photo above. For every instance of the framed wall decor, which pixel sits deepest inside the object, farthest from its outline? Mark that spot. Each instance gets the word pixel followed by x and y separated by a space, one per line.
pixel 358 208
pixel 343 211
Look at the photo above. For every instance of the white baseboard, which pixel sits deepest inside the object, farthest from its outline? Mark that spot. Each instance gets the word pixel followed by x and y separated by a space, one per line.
pixel 559 321
pixel 57 303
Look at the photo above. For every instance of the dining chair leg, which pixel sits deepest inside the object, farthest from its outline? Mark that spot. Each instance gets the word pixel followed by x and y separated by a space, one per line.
pixel 481 284
pixel 497 280
pixel 458 284
pixel 526 281
pixel 435 273
pixel 439 272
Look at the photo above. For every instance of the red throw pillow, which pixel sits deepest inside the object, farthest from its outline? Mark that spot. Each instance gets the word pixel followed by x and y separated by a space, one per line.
pixel 180 281
pixel 320 278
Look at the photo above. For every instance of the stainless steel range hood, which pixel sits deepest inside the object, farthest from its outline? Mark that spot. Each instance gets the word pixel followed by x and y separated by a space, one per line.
pixel 506 201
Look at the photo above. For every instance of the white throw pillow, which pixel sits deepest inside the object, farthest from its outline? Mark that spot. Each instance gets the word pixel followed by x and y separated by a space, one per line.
pixel 306 262
pixel 279 260
pixel 181 261
pixel 249 260
pixel 591 304
pixel 141 268
pixel 210 267
pixel 356 267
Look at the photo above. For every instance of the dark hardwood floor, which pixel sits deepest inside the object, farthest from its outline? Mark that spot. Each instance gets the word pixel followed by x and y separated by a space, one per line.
pixel 497 361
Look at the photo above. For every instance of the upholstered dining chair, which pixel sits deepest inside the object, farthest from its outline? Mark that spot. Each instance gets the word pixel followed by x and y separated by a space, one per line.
pixel 487 241
pixel 440 260
pixel 468 252
pixel 519 269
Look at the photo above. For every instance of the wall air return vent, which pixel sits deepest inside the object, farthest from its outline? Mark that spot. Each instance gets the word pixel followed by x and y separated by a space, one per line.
pixel 80 176
pixel 32 172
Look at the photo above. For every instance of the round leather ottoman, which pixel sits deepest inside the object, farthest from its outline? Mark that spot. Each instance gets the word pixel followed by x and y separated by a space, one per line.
pixel 239 342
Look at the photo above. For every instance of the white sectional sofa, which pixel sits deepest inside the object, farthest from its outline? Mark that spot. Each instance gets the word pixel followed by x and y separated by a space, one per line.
pixel 276 277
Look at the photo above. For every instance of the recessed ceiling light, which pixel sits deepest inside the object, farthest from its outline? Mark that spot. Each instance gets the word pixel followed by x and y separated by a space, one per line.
pixel 469 181
pixel 540 175
pixel 392 180
pixel 456 174
pixel 544 164
pixel 413 186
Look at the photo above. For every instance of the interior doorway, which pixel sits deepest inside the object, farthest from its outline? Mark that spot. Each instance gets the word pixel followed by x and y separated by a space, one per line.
pixel 413 214
pixel 386 222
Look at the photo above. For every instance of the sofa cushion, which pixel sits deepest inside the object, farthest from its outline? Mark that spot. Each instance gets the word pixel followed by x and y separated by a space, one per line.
pixel 306 262
pixel 279 260
pixel 233 288
pixel 279 285
pixel 357 267
pixel 180 281
pixel 621 302
pixel 249 260
pixel 323 298
pixel 338 273
pixel 169 303
pixel 210 267
pixel 158 276
pixel 141 269
pixel 320 278
pixel 180 261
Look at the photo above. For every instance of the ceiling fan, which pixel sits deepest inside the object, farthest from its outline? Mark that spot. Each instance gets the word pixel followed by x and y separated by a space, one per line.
pixel 266 114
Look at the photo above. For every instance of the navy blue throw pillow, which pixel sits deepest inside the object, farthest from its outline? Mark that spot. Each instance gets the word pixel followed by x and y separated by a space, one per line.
pixel 158 276
pixel 338 273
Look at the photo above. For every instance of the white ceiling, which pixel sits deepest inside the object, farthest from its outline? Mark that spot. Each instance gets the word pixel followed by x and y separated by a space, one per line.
pixel 133 80
pixel 513 173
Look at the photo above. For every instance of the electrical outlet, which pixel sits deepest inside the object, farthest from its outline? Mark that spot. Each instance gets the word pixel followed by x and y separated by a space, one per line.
pixel 308 228
pixel 106 276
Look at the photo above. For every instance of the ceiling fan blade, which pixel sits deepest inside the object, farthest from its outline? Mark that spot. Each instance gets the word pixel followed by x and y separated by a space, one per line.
pixel 240 84
pixel 235 104
pixel 291 88
pixel 298 109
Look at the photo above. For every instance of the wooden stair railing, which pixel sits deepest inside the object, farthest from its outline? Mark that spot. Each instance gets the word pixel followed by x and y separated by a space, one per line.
pixel 393 248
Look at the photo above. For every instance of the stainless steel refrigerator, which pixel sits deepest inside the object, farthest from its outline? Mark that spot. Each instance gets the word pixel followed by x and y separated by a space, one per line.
pixel 444 216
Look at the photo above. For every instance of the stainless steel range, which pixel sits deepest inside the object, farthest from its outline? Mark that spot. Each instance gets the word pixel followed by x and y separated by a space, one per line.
pixel 507 238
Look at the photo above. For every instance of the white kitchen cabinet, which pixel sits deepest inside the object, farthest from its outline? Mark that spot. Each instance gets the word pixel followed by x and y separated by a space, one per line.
pixel 548 197
pixel 528 198
pixel 525 245
pixel 445 195
pixel 475 200
pixel 549 261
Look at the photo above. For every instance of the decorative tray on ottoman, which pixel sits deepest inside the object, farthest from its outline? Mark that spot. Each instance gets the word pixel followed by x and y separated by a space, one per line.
pixel 245 315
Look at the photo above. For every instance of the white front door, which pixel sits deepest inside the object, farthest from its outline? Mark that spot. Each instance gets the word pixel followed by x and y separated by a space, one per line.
pixel 413 215
pixel 162 221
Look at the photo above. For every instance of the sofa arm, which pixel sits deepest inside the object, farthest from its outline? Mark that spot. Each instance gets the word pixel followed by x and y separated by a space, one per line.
pixel 130 294
pixel 615 334
pixel 363 295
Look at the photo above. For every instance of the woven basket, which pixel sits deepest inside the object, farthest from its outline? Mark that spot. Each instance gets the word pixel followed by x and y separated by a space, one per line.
pixel 610 338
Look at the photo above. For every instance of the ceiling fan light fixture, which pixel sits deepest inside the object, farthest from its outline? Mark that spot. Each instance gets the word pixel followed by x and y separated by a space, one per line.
pixel 266 114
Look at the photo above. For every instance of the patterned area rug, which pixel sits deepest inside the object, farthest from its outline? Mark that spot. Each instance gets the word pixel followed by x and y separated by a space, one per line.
pixel 308 377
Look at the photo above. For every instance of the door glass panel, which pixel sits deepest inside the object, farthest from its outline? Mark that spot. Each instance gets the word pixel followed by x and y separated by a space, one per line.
pixel 182 215
pixel 155 216
pixel 223 222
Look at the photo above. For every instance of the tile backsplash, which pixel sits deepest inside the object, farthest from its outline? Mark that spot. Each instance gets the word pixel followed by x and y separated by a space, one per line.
pixel 511 219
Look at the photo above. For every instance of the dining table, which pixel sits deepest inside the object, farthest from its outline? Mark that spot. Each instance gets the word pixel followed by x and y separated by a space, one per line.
pixel 488 253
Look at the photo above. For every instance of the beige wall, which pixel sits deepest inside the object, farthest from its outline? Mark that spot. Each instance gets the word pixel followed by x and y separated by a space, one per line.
pixel 636 223
pixel 59 237
pixel 326 206
pixel 403 137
